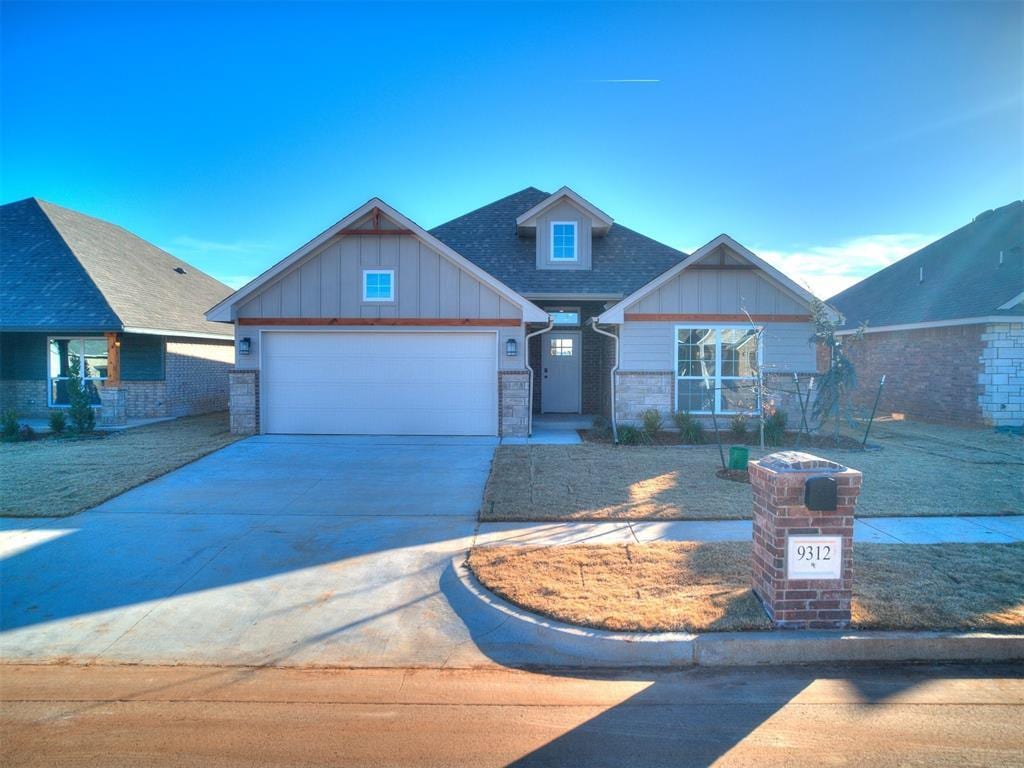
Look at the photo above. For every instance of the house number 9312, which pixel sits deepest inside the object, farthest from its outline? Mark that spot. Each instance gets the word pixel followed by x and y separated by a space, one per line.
pixel 814 557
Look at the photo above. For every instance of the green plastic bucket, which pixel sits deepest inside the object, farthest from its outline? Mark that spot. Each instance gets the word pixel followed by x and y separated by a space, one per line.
pixel 738 457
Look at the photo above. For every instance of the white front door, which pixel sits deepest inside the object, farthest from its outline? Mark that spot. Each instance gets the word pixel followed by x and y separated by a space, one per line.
pixel 379 383
pixel 560 372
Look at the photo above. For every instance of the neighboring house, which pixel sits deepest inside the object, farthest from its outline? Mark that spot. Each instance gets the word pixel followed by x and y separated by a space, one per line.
pixel 945 326
pixel 77 292
pixel 378 326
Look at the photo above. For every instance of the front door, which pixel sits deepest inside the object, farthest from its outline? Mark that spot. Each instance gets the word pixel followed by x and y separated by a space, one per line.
pixel 560 370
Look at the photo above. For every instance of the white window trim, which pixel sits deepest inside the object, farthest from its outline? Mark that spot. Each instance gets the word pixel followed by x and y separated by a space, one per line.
pixel 390 272
pixel 579 316
pixel 49 374
pixel 718 378
pixel 575 242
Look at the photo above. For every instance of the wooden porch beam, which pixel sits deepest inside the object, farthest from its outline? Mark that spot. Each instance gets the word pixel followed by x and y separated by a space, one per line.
pixel 384 321
pixel 740 318
pixel 113 359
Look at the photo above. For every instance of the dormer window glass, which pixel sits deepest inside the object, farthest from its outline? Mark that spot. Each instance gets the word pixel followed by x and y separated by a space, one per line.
pixel 563 241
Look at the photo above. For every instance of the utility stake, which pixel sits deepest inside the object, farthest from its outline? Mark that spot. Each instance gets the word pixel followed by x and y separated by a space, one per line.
pixel 878 396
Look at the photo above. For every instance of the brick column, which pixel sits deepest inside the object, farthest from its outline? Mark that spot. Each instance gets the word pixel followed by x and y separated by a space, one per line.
pixel 792 542
pixel 244 401
pixel 113 407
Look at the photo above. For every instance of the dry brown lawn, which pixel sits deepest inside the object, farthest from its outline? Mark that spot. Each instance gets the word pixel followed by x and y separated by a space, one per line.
pixel 704 587
pixel 56 477
pixel 918 470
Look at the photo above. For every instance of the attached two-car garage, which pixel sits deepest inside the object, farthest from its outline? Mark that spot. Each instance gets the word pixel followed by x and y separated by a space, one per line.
pixel 379 382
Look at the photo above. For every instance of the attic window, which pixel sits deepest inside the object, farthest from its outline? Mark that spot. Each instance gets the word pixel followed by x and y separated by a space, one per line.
pixel 563 241
pixel 180 270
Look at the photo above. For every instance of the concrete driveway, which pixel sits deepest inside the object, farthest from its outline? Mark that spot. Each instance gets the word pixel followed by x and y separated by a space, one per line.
pixel 324 551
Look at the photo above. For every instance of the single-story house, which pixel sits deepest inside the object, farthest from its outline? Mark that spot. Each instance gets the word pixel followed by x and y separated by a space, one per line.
pixel 82 294
pixel 945 326
pixel 524 305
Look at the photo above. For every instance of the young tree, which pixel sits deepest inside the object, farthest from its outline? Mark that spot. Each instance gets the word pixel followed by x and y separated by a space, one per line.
pixel 83 419
pixel 841 377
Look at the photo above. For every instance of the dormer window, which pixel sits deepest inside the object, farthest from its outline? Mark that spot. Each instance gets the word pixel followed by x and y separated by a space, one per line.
pixel 563 241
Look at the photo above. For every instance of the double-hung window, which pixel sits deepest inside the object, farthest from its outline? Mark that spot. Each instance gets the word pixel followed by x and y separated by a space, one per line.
pixel 717 369
pixel 563 241
pixel 84 358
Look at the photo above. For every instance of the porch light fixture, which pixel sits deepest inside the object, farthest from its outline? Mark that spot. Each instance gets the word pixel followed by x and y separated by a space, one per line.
pixel 244 345
pixel 511 348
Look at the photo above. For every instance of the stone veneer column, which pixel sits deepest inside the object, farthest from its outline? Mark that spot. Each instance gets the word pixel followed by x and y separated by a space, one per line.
pixel 778 482
pixel 113 410
pixel 513 403
pixel 244 401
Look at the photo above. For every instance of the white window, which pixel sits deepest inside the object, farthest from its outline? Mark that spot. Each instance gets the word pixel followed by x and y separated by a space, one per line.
pixel 565 315
pixel 717 368
pixel 378 285
pixel 563 241
pixel 82 358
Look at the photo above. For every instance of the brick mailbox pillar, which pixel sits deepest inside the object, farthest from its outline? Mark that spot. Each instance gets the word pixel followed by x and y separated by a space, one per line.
pixel 803 539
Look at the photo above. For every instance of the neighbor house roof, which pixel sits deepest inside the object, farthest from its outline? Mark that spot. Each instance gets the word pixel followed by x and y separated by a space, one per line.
pixel 959 276
pixel 65 271
pixel 621 260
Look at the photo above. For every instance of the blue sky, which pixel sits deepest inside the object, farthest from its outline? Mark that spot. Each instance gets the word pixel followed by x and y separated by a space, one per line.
pixel 830 138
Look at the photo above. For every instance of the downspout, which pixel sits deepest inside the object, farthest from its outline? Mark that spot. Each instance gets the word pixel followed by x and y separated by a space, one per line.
pixel 526 361
pixel 615 368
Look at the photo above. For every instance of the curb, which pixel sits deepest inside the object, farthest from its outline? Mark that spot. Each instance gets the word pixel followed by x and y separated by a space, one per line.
pixel 603 648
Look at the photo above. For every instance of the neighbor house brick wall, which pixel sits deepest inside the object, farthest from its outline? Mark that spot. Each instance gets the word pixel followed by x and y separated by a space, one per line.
pixel 244 400
pixel 146 399
pixel 637 391
pixel 1001 376
pixel 26 398
pixel 931 374
pixel 197 375
pixel 513 400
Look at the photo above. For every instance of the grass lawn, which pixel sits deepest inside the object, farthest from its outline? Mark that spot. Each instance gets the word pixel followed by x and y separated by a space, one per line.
pixel 705 587
pixel 56 477
pixel 917 470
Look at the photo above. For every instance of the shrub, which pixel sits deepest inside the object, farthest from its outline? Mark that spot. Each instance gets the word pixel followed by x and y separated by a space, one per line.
pixel 738 427
pixel 601 427
pixel 9 425
pixel 58 422
pixel 775 428
pixel 82 417
pixel 25 432
pixel 653 422
pixel 691 431
pixel 629 435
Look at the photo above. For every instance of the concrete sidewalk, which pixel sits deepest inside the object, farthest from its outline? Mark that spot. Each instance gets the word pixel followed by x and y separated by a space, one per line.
pixel 993 529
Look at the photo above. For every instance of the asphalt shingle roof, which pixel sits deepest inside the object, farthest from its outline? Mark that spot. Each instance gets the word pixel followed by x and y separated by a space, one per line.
pixel 63 270
pixel 622 260
pixel 962 277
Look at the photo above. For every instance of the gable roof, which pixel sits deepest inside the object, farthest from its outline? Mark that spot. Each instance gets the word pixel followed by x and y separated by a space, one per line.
pixel 962 277
pixel 616 314
pixel 224 311
pixel 65 271
pixel 621 261
pixel 600 221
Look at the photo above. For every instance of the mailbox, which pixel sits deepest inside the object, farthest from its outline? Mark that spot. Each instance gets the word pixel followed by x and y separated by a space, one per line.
pixel 820 493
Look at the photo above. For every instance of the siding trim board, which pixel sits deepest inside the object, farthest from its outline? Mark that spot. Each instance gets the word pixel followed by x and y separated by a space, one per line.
pixel 383 321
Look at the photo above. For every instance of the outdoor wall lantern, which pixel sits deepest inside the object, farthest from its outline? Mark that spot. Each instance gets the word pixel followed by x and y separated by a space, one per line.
pixel 244 345
pixel 511 348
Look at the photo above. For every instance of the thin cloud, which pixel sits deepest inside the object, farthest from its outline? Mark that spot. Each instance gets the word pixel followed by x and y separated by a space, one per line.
pixel 196 245
pixel 627 80
pixel 234 281
pixel 828 269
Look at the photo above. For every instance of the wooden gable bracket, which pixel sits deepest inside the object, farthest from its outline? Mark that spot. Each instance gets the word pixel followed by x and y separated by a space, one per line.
pixel 376 213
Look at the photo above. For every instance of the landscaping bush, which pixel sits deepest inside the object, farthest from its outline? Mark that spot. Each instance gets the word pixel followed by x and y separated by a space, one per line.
pixel 58 422
pixel 83 419
pixel 9 427
pixel 775 428
pixel 738 427
pixel 653 422
pixel 691 431
pixel 601 427
pixel 629 435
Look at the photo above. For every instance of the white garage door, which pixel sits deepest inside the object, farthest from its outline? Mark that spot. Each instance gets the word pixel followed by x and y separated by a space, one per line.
pixel 379 383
